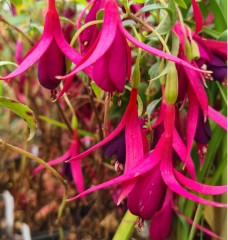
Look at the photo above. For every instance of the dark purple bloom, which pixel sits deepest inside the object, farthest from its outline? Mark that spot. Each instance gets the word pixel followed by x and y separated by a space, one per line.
pixel 116 147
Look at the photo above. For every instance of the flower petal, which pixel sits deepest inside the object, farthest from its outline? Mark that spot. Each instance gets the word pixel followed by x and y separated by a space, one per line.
pixel 106 38
pixel 188 220
pixel 180 149
pixel 217 117
pixel 197 16
pixel 162 218
pixel 170 180
pixel 199 187
pixel 155 51
pixel 192 119
pixel 53 162
pixel 37 51
pixel 118 129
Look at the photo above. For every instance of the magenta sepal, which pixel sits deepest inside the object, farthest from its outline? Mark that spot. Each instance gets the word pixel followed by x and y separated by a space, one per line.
pixel 199 187
pixel 197 16
pixel 174 185
pixel 52 32
pixel 217 117
pixel 192 119
pixel 205 230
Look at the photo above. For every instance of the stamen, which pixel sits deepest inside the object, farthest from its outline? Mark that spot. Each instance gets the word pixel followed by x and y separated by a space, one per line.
pixel 119 167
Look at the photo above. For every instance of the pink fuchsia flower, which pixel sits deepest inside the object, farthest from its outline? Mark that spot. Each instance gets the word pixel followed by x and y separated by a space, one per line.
pixel 49 51
pixel 89 35
pixel 192 83
pixel 133 137
pixel 104 47
pixel 213 56
pixel 75 166
pixel 162 156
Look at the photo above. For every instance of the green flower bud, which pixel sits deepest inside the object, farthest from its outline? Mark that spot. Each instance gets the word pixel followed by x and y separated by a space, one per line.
pixel 171 86
pixel 188 50
pixel 195 50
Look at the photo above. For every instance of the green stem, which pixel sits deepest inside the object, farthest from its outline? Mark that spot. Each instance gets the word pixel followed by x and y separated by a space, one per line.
pixel 152 30
pixel 17 29
pixel 45 165
pixel 82 29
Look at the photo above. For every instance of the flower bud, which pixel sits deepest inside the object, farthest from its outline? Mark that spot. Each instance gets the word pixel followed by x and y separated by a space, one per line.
pixel 50 65
pixel 188 50
pixel 171 86
pixel 195 50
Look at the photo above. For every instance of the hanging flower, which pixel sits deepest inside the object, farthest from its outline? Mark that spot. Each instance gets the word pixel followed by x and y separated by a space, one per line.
pixel 75 166
pixel 49 51
pixel 115 57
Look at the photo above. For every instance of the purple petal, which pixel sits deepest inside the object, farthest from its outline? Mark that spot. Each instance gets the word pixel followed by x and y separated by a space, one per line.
pixel 106 38
pixel 119 128
pixel 147 196
pixel 71 53
pixel 51 64
pixel 37 51
pixel 161 223
pixel 118 65
pixel 145 165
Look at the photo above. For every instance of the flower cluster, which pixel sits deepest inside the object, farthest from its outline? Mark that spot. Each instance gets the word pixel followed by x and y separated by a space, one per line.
pixel 153 149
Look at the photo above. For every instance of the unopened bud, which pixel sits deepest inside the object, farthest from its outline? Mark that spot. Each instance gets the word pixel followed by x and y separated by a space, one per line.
pixel 195 50
pixel 171 86
pixel 188 50
pixel 161 68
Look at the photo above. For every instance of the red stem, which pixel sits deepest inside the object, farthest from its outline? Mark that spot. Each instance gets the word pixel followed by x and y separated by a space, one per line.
pixel 51 5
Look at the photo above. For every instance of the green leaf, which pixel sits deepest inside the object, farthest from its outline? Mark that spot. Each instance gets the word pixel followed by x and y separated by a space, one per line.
pixel 210 32
pixel 152 7
pixel 2 63
pixel 66 20
pixel 126 227
pixel 219 20
pixel 181 3
pixel 53 122
pixel 151 106
pixel 17 2
pixel 223 36
pixel 21 110
pixel 97 91
pixel 167 22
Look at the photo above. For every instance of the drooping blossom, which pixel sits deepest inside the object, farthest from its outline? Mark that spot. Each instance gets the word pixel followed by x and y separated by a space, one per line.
pixel 105 48
pixel 49 51
pixel 75 166
pixel 133 137
pixel 191 87
pixel 154 177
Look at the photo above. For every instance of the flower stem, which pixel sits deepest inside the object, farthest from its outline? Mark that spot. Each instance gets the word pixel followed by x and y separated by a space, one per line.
pixel 17 29
pixel 132 16
pixel 51 5
pixel 80 30
pixel 45 165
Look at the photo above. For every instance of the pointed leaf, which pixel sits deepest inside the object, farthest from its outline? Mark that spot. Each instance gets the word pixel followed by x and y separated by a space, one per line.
pixel 21 110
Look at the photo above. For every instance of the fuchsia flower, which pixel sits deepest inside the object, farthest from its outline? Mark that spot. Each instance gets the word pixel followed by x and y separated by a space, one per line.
pixel 152 176
pixel 49 51
pixel 191 86
pixel 110 49
pixel 75 166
